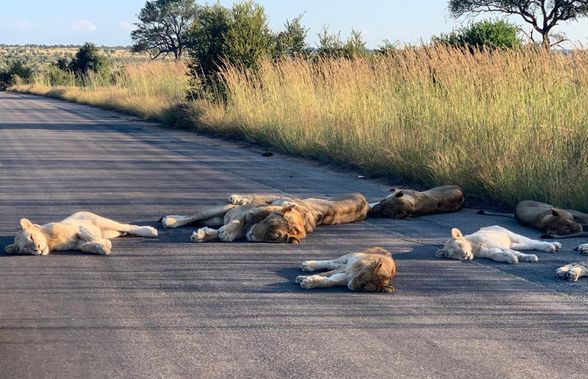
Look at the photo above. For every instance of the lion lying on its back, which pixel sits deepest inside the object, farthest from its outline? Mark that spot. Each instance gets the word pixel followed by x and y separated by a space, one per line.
pixel 402 203
pixel 270 218
pixel 83 231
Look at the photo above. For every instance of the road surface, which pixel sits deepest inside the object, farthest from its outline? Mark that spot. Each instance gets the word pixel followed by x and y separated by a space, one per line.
pixel 173 309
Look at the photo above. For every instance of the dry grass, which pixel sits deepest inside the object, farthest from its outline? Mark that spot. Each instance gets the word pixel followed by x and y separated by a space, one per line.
pixel 145 89
pixel 508 125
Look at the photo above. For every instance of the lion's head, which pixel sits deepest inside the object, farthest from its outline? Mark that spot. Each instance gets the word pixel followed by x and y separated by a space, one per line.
pixel 30 240
pixel 283 226
pixel 373 276
pixel 395 205
pixel 456 248
pixel 560 222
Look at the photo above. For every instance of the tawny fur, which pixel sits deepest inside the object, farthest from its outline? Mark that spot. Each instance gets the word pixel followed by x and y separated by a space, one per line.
pixel 555 222
pixel 573 271
pixel 496 243
pixel 402 203
pixel 83 231
pixel 270 218
pixel 370 270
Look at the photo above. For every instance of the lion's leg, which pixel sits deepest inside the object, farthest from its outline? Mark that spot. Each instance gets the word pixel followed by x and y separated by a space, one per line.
pixel 231 231
pixel 112 229
pixel 205 234
pixel 334 278
pixel 331 264
pixel 252 198
pixel 498 255
pixel 100 247
pixel 573 271
pixel 174 221
pixel 92 241
pixel 529 244
pixel 583 248
pixel 524 257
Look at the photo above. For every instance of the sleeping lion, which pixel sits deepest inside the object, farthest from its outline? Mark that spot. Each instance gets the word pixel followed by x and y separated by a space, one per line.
pixel 83 231
pixel 270 218
pixel 496 243
pixel 370 270
pixel 576 270
pixel 403 203
pixel 554 222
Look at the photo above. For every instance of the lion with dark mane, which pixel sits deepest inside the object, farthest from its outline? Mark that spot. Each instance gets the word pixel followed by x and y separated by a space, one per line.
pixel 271 218
pixel 403 203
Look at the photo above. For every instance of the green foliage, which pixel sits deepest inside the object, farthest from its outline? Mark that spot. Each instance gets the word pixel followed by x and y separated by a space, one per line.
pixel 88 59
pixel 486 34
pixel 56 76
pixel 292 40
pixel 163 27
pixel 542 15
pixel 331 45
pixel 15 73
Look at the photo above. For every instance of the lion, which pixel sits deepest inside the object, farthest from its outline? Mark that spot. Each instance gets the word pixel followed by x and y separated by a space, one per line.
pixel 370 270
pixel 83 231
pixel 493 242
pixel 552 221
pixel 403 203
pixel 271 218
pixel 573 271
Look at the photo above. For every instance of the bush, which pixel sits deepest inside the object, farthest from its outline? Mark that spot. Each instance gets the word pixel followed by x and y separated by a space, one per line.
pixel 16 73
pixel 487 34
pixel 87 60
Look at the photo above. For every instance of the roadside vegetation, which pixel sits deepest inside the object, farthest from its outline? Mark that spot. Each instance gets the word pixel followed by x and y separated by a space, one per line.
pixel 478 107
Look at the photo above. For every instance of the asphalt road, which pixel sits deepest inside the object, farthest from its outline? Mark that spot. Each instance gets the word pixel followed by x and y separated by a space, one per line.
pixel 169 308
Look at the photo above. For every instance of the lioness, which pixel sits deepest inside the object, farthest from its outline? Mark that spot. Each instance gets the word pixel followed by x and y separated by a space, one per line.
pixel 271 218
pixel 402 203
pixel 371 270
pixel 83 231
pixel 573 271
pixel 494 242
pixel 554 222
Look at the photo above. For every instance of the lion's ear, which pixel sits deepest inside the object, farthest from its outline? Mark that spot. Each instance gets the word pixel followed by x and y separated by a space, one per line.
pixel 11 249
pixel 440 253
pixel 455 233
pixel 293 240
pixel 399 193
pixel 555 212
pixel 377 264
pixel 25 224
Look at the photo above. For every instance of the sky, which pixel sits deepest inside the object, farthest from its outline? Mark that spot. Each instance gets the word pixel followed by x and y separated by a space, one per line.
pixel 109 22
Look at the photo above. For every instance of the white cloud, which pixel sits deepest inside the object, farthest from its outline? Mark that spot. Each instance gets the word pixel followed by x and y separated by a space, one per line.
pixel 21 24
pixel 83 25
pixel 126 25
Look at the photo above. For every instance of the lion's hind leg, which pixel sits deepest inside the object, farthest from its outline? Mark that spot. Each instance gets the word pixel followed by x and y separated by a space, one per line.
pixel 529 244
pixel 573 271
pixel 324 279
pixel 331 264
pixel 112 229
pixel 210 214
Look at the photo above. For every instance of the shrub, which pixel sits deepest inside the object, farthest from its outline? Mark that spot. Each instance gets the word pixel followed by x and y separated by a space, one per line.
pixel 487 34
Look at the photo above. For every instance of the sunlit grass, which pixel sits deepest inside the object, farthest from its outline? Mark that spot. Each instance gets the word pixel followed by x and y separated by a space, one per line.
pixel 507 125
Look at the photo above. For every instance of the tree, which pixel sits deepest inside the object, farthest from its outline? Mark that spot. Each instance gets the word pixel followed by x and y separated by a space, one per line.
pixel 88 59
pixel 483 34
pixel 331 45
pixel 163 26
pixel 292 40
pixel 542 15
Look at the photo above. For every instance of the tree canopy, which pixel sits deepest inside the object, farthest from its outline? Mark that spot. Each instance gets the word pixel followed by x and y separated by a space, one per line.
pixel 542 15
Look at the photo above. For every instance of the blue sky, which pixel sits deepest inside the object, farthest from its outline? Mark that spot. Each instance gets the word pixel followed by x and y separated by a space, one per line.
pixel 108 22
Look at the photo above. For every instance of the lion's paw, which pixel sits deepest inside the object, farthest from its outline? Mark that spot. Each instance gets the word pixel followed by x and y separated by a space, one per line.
pixel 106 247
pixel 169 221
pixel 307 283
pixel 511 259
pixel 198 235
pixel 151 231
pixel 307 266
pixel 300 278
pixel 529 258
pixel 553 247
pixel 239 200
pixel 583 248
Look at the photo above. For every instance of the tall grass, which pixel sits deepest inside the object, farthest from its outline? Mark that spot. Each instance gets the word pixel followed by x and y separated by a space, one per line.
pixel 144 89
pixel 507 125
